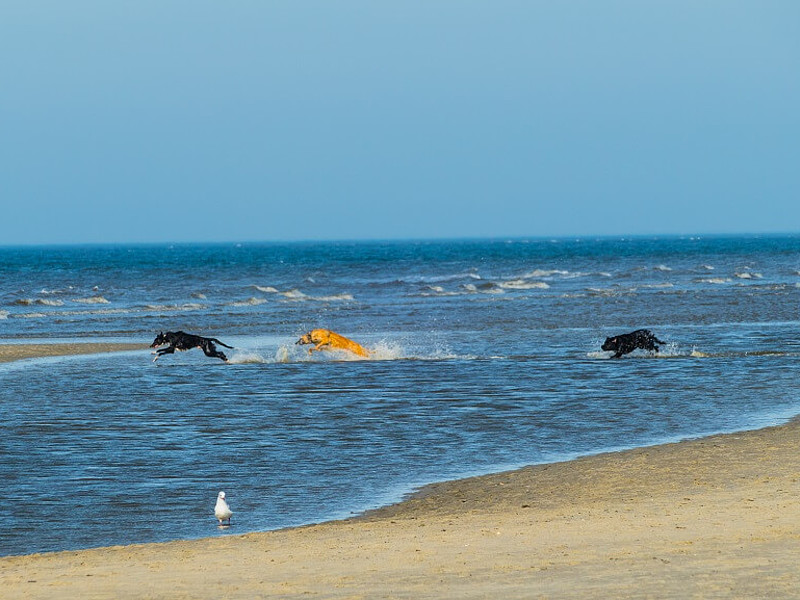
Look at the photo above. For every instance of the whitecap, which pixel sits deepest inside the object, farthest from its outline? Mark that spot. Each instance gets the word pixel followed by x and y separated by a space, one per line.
pixel 748 275
pixel 294 294
pixel 662 268
pixel 249 302
pixel 521 284
pixel 38 301
pixel 716 280
pixel 92 300
pixel 538 273
pixel 334 298
pixel 440 278
pixel 297 295
pixel 45 302
pixel 175 307
pixel 4 314
pixel 268 289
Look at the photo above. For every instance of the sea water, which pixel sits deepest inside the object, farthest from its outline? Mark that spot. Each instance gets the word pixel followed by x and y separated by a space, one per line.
pixel 486 356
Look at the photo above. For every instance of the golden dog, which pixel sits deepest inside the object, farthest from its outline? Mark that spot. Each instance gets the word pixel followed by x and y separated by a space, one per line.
pixel 325 338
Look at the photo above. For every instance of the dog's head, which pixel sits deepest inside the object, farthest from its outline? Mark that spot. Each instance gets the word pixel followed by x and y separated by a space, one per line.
pixel 611 343
pixel 306 339
pixel 160 340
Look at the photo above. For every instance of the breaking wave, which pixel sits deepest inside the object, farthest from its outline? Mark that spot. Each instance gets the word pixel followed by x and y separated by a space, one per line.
pixel 92 300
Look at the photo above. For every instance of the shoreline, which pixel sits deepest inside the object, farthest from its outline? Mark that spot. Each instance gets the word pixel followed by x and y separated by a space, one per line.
pixel 717 516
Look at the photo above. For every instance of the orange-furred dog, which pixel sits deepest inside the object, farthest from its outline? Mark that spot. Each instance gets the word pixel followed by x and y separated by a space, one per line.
pixel 325 338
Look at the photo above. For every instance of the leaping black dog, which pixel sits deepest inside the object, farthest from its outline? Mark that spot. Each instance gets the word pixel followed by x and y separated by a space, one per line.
pixel 178 340
pixel 628 342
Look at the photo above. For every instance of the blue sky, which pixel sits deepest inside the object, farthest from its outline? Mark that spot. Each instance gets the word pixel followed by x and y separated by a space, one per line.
pixel 155 121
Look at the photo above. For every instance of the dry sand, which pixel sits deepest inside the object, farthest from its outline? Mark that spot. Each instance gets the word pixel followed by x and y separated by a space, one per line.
pixel 712 518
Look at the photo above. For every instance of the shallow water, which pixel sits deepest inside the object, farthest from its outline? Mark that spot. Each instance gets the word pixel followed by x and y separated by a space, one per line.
pixel 487 357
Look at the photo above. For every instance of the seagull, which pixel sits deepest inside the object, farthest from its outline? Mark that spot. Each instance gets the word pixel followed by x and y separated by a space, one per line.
pixel 222 511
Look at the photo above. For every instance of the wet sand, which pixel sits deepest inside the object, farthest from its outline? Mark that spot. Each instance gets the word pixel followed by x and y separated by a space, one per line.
pixel 717 517
pixel 9 352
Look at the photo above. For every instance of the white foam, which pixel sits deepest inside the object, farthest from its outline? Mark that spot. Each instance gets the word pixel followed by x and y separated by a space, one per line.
pixel 266 289
pixel 716 280
pixel 334 298
pixel 249 302
pixel 176 307
pixel 92 300
pixel 440 278
pixel 522 284
pixel 45 302
pixel 4 314
pixel 294 294
pixel 245 357
pixel 385 350
pixel 544 273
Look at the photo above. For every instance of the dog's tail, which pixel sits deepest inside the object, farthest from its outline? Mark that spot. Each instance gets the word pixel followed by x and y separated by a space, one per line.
pixel 221 343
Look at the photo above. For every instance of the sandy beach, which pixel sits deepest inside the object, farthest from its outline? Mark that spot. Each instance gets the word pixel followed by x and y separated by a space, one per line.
pixel 717 517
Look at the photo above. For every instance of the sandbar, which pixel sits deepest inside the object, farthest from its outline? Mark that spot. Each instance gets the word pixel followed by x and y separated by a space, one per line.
pixel 11 352
pixel 717 517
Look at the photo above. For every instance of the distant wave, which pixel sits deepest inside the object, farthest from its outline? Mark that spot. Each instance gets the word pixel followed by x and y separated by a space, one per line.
pixel 92 300
pixel 38 301
pixel 522 284
pixel 539 273
pixel 249 302
pixel 176 307
pixel 298 296
pixel 439 278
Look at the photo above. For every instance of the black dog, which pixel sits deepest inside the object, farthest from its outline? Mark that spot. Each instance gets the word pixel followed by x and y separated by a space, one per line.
pixel 178 340
pixel 628 342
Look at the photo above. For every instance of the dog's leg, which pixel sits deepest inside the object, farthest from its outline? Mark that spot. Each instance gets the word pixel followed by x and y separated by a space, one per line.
pixel 210 349
pixel 163 351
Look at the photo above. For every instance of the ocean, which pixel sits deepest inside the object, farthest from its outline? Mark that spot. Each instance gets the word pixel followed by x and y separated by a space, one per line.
pixel 486 357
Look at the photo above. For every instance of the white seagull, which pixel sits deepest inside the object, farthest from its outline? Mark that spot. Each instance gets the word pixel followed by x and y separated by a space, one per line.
pixel 222 511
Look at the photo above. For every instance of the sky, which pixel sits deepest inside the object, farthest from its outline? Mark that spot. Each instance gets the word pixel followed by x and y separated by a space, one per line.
pixel 205 121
